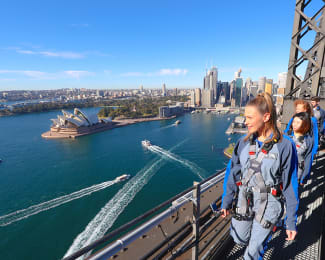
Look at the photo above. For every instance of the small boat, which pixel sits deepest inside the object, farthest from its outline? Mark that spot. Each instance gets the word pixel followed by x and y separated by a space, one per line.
pixel 177 122
pixel 146 143
pixel 123 177
pixel 228 118
pixel 193 112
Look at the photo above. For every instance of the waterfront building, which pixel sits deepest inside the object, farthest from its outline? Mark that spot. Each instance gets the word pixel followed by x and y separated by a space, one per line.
pixel 198 97
pixel 207 98
pixel 168 111
pixel 192 102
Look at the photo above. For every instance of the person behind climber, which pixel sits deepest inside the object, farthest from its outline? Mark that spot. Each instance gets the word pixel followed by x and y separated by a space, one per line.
pixel 260 178
pixel 304 106
pixel 319 114
pixel 300 134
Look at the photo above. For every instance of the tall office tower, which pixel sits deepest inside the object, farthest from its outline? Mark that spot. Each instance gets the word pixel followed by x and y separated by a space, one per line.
pixel 192 98
pixel 206 81
pixel 207 98
pixel 282 81
pixel 198 97
pixel 210 81
pixel 261 84
pixel 164 91
pixel 175 91
pixel 269 86
pixel 232 90
pixel 248 85
pixel 213 81
pixel 238 90
pixel 141 88
pixel 237 73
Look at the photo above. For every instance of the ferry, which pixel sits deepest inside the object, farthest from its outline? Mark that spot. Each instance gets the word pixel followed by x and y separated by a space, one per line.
pixel 146 143
pixel 123 177
pixel 177 122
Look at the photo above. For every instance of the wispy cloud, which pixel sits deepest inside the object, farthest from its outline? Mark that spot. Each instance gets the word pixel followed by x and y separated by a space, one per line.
pixel 58 54
pixel 41 75
pixel 161 72
pixel 173 72
pixel 77 74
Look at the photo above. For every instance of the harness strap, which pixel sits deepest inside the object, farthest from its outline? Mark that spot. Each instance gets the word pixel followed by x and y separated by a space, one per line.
pixel 255 170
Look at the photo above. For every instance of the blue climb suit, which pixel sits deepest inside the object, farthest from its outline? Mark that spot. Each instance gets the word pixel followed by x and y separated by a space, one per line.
pixel 313 133
pixel 258 209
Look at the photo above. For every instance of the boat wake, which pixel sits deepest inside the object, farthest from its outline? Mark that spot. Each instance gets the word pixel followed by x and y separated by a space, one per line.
pixel 35 209
pixel 192 166
pixel 106 217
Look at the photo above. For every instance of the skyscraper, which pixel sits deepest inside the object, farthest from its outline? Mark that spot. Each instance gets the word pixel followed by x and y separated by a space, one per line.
pixel 207 98
pixel 192 98
pixel 238 91
pixel 210 81
pixel 261 84
pixel 164 92
pixel 269 86
pixel 198 97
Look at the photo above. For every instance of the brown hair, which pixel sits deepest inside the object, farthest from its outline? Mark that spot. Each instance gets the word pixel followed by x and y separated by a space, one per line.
pixel 264 104
pixel 316 98
pixel 306 125
pixel 306 106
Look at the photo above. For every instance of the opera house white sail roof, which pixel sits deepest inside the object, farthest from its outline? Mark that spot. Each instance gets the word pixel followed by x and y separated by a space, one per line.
pixel 77 119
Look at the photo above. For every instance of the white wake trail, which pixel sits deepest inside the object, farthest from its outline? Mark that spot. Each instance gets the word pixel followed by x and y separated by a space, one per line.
pixel 35 209
pixel 107 216
pixel 192 166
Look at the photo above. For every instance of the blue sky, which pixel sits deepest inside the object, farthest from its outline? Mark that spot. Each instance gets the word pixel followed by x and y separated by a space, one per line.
pixel 123 44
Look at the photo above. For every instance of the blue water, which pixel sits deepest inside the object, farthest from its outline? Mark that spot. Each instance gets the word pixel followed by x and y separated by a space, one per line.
pixel 36 170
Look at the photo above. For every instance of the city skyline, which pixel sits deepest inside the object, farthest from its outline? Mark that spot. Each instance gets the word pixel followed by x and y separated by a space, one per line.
pixel 110 46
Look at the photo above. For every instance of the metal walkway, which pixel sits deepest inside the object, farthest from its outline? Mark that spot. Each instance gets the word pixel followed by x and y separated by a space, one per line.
pixel 184 228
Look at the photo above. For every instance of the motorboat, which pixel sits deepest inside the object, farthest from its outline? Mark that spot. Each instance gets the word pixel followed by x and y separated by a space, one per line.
pixel 146 143
pixel 177 122
pixel 123 177
pixel 193 112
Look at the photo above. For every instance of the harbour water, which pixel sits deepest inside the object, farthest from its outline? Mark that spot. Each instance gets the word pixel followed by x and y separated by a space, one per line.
pixel 35 170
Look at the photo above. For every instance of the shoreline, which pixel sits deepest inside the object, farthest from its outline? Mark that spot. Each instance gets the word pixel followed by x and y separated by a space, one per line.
pixel 100 128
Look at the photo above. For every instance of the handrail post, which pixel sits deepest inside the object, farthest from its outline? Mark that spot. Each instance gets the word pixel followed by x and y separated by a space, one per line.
pixel 196 219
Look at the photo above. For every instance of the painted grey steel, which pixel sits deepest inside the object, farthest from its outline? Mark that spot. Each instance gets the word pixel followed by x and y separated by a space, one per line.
pixel 310 85
pixel 196 220
pixel 137 233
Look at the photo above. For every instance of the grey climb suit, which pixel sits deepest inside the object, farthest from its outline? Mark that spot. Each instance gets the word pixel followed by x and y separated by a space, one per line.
pixel 278 166
pixel 304 151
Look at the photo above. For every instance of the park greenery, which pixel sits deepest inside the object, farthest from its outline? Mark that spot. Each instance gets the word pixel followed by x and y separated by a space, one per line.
pixel 127 108
pixel 139 108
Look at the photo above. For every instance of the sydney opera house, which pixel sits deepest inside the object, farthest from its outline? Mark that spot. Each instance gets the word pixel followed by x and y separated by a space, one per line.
pixel 78 123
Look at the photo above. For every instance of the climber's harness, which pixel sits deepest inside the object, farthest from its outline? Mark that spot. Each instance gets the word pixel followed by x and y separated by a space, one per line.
pixel 243 212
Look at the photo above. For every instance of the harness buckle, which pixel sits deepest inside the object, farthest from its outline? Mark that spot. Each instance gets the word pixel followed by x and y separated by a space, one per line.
pixel 267 224
pixel 263 151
